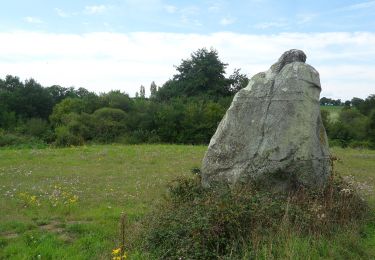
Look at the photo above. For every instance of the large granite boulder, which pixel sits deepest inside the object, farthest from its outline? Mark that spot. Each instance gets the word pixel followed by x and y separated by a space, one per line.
pixel 273 132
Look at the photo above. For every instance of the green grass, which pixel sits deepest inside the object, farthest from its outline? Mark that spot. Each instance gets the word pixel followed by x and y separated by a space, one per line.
pixel 334 112
pixel 66 203
pixel 358 166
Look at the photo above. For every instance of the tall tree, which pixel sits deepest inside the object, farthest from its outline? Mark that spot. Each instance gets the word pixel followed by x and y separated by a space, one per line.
pixel 27 99
pixel 356 102
pixel 238 81
pixel 117 99
pixel 203 74
pixel 368 105
pixel 142 92
pixel 153 89
pixel 58 93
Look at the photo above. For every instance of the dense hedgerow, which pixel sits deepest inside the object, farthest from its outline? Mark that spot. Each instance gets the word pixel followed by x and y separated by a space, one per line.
pixel 229 222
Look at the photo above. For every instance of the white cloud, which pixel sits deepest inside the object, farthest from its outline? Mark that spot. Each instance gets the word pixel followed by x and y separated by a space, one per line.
pixel 363 5
pixel 189 22
pixel 267 25
pixel 170 9
pixel 227 21
pixel 104 61
pixel 190 11
pixel 31 19
pixel 306 18
pixel 95 9
pixel 188 16
pixel 61 13
pixel 216 6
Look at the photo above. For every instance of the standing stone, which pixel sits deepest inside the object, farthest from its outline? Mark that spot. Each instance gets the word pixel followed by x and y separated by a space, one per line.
pixel 273 132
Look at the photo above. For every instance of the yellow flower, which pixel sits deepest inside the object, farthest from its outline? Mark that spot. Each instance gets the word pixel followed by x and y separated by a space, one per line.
pixel 124 256
pixel 116 258
pixel 33 198
pixel 73 199
pixel 116 251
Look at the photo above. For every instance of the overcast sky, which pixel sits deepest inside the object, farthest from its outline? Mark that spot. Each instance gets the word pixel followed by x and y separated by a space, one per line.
pixel 122 44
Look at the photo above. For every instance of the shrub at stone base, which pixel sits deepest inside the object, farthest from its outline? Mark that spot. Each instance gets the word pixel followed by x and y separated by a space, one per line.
pixel 198 223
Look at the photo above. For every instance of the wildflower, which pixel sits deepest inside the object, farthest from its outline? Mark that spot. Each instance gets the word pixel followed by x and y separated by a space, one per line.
pixel 321 216
pixel 73 199
pixel 116 254
pixel 346 191
pixel 119 257
pixel 22 194
pixel 116 251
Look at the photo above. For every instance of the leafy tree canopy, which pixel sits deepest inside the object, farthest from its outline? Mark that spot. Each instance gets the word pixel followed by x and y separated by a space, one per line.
pixel 238 81
pixel 203 74
pixel 330 102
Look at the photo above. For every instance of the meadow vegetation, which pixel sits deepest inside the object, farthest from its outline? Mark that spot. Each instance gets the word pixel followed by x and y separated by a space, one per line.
pixel 67 203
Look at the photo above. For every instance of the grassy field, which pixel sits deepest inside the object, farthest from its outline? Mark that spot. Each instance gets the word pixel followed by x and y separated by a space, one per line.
pixel 334 112
pixel 66 203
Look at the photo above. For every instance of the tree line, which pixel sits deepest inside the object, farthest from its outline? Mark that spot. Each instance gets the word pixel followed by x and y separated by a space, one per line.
pixel 354 125
pixel 186 109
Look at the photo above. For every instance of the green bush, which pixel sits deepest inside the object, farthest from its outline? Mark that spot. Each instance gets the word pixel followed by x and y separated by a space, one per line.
pixel 139 136
pixel 110 124
pixel 230 222
pixel 371 128
pixel 325 119
pixel 8 120
pixel 65 138
pixel 66 106
pixel 335 143
pixel 360 144
pixel 10 139
pixel 21 141
pixel 35 127
pixel 81 125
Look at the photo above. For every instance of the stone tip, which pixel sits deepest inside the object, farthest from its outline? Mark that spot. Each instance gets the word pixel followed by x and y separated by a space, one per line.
pixel 290 56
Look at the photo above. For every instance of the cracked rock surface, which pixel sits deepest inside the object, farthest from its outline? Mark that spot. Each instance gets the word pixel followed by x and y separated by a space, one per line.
pixel 273 132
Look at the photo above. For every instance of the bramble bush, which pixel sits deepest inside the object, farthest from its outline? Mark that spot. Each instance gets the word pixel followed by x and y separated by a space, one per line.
pixel 229 222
